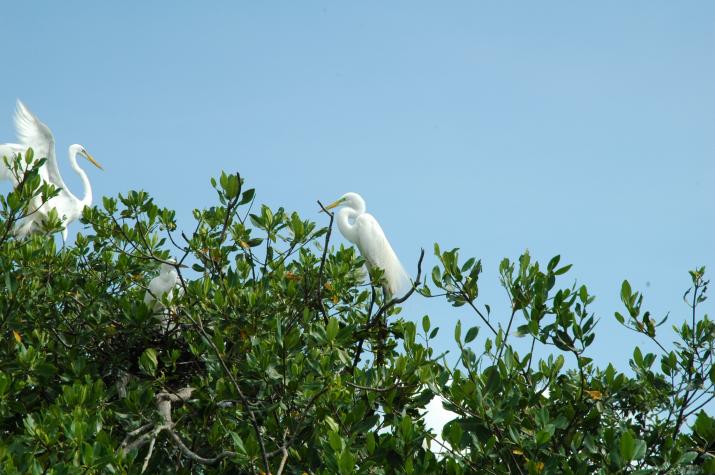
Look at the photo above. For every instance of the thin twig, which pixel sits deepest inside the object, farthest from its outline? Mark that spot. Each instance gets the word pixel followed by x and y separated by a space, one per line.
pixel 371 321
pixel 241 395
pixel 395 301
pixel 322 261
pixel 376 389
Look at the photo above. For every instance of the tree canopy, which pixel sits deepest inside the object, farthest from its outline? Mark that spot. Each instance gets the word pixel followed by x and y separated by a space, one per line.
pixel 277 354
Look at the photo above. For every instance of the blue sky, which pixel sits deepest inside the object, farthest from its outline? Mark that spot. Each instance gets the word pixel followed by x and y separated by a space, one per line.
pixel 586 130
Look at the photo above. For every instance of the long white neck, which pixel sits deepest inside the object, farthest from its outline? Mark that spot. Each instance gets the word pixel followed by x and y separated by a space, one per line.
pixel 348 229
pixel 87 199
pixel 173 276
pixel 355 208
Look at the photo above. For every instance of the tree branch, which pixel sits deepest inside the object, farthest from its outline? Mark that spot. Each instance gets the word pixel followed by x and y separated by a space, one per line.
pixel 322 261
pixel 163 407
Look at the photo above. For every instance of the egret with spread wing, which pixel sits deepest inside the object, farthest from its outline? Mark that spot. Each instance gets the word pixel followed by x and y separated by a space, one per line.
pixel 363 230
pixel 33 133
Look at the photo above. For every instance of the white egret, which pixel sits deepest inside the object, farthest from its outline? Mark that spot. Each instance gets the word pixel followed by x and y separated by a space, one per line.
pixel 161 286
pixel 363 230
pixel 33 133
pixel 12 150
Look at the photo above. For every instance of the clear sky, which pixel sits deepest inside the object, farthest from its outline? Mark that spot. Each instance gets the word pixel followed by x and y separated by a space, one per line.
pixel 562 127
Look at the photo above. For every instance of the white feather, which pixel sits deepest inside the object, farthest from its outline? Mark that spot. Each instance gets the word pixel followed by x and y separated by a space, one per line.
pixel 365 232
pixel 161 288
pixel 32 132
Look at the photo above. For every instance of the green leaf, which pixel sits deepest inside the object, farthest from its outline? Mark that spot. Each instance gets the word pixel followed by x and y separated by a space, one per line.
pixel 238 443
pixel 148 361
pixel 640 449
pixel 272 373
pixel 454 434
pixel 628 446
pixel 563 270
pixel 458 332
pixel 467 265
pixel 704 426
pixel 471 334
pixel 588 442
pixel 336 442
pixel 279 330
pixel 687 458
pixel 493 379
pixel 370 441
pixel 436 277
pixel 364 425
pixel 626 292
pixel 620 318
pixel 247 196
pixel 332 329
pixel 542 437
pixel 332 424
pixel 553 262
pixel 346 463
pixel 425 323
pixel 638 357
pixel 406 427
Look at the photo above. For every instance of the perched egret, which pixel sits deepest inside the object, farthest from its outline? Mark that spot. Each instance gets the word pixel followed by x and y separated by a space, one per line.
pixel 363 230
pixel 33 133
pixel 162 285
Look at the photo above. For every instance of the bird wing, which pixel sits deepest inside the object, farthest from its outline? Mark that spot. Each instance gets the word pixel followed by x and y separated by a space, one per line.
pixel 155 290
pixel 160 286
pixel 378 252
pixel 31 132
pixel 10 150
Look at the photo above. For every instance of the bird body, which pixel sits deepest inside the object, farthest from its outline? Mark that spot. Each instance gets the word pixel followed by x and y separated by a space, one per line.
pixel 363 230
pixel 162 285
pixel 32 133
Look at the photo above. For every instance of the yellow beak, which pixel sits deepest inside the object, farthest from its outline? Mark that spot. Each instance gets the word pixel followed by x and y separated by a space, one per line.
pixel 334 204
pixel 92 160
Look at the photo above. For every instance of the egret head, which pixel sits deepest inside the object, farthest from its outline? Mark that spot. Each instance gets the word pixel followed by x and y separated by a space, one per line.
pixel 166 268
pixel 349 200
pixel 170 266
pixel 78 149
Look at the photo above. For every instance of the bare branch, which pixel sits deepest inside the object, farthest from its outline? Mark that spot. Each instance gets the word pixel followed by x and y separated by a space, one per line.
pixel 322 260
pixel 385 307
pixel 163 406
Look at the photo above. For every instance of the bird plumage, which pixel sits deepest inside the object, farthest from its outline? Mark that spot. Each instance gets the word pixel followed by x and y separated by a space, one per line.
pixel 161 288
pixel 33 133
pixel 363 230
pixel 162 285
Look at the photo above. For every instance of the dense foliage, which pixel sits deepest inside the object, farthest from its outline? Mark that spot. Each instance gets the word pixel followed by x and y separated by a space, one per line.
pixel 275 356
